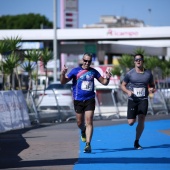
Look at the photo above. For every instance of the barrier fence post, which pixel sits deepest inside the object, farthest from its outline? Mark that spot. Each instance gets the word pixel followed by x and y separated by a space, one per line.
pixel 37 120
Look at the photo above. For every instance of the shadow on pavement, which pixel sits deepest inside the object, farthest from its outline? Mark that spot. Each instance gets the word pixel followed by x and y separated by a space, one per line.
pixel 37 163
pixel 12 143
pixel 129 160
pixel 104 150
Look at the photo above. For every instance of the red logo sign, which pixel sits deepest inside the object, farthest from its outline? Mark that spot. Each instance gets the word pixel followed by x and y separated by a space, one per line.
pixel 122 33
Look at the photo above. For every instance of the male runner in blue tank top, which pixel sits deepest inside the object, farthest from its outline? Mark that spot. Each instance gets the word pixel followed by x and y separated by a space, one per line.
pixel 84 96
pixel 138 83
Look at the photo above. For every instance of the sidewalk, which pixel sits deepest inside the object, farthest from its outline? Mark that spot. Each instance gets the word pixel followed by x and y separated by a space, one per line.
pixel 45 147
pixel 58 147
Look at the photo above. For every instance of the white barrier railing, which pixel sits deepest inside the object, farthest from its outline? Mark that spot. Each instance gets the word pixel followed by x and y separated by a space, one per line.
pixel 13 111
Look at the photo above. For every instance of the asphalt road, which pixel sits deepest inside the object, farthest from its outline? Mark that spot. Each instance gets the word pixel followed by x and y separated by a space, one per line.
pixel 48 146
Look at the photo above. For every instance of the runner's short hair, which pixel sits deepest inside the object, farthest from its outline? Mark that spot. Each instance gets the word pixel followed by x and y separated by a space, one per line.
pixel 88 54
pixel 141 55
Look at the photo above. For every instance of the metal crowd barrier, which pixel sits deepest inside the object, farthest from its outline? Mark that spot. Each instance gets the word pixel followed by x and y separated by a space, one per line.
pixel 110 103
pixel 53 113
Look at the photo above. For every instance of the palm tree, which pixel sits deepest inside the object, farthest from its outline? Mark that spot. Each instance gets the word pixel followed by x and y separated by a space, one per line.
pixel 28 66
pixel 8 50
pixel 34 56
pixel 153 63
pixel 139 51
pixel 126 61
pixel 9 63
pixel 13 43
pixel 5 73
pixel 125 64
pixel 165 71
pixel 4 47
pixel 45 58
pixel 116 71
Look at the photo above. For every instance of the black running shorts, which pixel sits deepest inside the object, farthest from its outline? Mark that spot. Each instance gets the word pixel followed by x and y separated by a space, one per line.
pixel 137 107
pixel 82 106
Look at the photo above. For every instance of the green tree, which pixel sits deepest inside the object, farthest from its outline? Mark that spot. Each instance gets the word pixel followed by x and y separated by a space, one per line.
pixel 24 21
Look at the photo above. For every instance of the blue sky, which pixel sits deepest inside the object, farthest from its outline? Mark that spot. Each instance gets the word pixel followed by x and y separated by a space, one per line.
pixel 91 10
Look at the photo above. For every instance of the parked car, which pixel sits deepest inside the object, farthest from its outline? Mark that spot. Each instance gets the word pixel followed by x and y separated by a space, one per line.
pixel 57 98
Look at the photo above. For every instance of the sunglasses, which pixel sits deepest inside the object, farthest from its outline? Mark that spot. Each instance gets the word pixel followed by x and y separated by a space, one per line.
pixel 138 59
pixel 87 61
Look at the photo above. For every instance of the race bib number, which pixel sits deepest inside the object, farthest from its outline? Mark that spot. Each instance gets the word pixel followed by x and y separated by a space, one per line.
pixel 87 85
pixel 139 92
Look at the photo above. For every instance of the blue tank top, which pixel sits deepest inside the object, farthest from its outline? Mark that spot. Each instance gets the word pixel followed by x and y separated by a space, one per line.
pixel 83 82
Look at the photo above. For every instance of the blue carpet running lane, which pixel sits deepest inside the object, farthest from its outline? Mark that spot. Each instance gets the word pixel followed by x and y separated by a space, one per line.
pixel 112 148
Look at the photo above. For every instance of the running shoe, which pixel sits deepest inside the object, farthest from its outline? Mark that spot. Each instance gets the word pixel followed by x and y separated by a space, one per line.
pixel 137 146
pixel 87 148
pixel 83 135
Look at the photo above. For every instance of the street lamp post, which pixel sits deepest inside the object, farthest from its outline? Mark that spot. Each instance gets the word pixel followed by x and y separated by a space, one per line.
pixel 55 39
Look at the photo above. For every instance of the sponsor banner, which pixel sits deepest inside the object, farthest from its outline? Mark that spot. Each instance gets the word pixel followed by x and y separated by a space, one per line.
pixel 5 115
pixel 13 111
pixel 114 80
pixel 23 108
pixel 13 105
